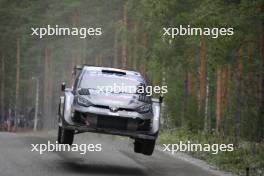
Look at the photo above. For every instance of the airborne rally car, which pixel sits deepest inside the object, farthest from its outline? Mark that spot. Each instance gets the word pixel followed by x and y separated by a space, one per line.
pixel 107 100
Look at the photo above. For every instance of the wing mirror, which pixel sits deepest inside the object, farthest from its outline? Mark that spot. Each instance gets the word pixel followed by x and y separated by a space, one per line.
pixel 63 86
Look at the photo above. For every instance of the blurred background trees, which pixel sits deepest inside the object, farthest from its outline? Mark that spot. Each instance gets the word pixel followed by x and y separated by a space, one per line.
pixel 215 85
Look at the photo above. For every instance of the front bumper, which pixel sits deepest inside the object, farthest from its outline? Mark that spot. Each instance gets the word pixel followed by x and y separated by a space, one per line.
pixel 106 111
pixel 134 134
pixel 101 120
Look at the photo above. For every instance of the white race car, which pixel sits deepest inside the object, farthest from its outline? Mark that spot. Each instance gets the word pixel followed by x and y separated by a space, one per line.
pixel 92 105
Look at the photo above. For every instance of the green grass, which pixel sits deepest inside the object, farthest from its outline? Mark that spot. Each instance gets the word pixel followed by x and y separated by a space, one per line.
pixel 245 154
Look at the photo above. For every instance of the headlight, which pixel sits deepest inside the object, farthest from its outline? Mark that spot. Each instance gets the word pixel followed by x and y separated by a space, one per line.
pixel 144 109
pixel 83 91
pixel 83 101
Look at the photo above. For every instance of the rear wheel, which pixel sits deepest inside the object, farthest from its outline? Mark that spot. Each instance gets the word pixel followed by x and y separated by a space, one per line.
pixel 65 136
pixel 144 146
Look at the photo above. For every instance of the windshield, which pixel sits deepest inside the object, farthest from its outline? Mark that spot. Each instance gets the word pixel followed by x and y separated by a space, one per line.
pixel 110 83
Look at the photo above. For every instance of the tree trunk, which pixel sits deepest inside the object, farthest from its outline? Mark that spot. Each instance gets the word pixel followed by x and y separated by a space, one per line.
pixel 238 93
pixel 17 75
pixel 163 115
pixel 218 98
pixel 45 88
pixel 36 105
pixel 202 72
pixel 2 87
pixel 100 57
pixel 116 49
pixel 135 47
pixel 143 60
pixel 189 82
pixel 77 53
pixel 260 124
pixel 250 60
pixel 47 94
pixel 129 64
pixel 185 99
pixel 206 109
pixel 97 60
pixel 224 86
pixel 124 43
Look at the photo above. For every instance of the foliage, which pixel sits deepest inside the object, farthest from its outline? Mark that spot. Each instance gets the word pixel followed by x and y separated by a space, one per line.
pixel 245 155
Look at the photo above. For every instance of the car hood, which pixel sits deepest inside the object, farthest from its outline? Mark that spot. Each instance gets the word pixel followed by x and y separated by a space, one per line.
pixel 119 100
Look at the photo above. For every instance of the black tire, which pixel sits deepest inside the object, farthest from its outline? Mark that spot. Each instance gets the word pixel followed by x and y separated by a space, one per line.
pixel 148 146
pixel 59 135
pixel 137 146
pixel 65 136
pixel 144 146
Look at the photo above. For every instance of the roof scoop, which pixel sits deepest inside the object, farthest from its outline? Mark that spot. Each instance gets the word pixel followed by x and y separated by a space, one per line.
pixel 114 72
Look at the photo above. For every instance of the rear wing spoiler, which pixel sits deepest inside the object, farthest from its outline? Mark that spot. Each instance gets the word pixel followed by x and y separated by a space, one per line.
pixel 76 69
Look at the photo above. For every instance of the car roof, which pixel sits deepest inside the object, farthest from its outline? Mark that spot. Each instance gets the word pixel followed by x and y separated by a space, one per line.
pixel 126 73
pixel 100 69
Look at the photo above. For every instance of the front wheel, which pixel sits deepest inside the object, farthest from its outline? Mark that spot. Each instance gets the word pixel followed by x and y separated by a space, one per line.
pixel 65 136
pixel 137 146
pixel 144 146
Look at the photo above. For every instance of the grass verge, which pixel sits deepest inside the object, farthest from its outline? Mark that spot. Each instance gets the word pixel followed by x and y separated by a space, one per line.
pixel 245 155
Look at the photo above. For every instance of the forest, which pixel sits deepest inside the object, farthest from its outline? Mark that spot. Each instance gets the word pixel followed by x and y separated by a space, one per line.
pixel 215 85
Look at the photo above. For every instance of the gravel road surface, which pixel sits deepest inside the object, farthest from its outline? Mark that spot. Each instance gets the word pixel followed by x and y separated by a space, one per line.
pixel 116 158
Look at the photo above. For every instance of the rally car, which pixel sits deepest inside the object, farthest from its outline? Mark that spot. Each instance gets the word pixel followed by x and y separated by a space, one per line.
pixel 93 105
